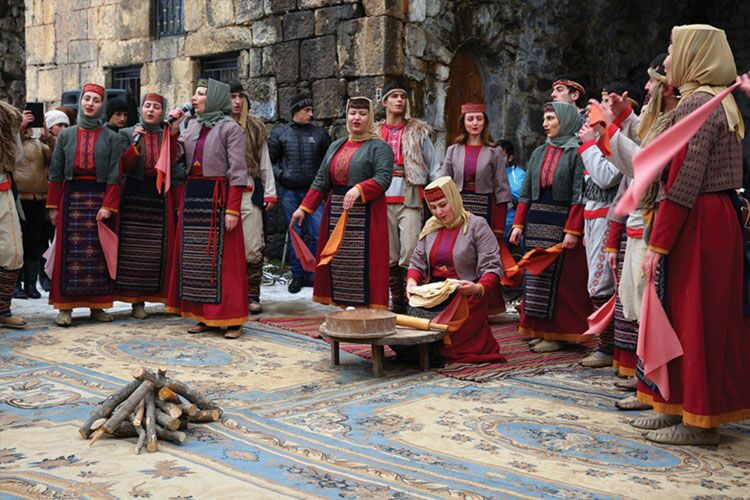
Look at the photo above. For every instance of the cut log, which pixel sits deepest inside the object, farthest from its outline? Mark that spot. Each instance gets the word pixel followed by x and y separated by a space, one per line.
pixel 128 406
pixel 126 430
pixel 171 409
pixel 107 406
pixel 189 409
pixel 98 424
pixel 168 395
pixel 202 416
pixel 167 421
pixel 150 423
pixel 180 388
pixel 141 432
pixel 139 411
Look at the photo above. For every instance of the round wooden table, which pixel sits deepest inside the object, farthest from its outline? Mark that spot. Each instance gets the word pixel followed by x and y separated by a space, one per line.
pixel 403 336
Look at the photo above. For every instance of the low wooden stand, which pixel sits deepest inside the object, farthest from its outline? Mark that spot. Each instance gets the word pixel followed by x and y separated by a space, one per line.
pixel 403 336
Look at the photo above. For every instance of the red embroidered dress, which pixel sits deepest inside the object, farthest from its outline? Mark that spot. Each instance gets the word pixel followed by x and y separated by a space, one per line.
pixel 80 277
pixel 358 274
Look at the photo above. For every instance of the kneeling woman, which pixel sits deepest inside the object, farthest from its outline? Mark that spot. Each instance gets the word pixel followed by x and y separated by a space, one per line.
pixel 84 189
pixel 354 176
pixel 550 211
pixel 211 285
pixel 456 244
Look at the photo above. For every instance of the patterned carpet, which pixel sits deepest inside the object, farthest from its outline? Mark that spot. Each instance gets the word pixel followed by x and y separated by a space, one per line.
pixel 297 427
pixel 513 345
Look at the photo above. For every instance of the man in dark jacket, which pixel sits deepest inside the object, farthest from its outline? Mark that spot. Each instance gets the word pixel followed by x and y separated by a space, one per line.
pixel 297 149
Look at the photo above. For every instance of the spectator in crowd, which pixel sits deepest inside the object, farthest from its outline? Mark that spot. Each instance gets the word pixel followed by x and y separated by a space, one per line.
pixel 117 114
pixel 260 193
pixel 297 149
pixel 31 181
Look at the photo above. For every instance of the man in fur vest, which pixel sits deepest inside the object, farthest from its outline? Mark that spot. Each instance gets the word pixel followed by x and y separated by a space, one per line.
pixel 414 167
pixel 11 242
pixel 260 193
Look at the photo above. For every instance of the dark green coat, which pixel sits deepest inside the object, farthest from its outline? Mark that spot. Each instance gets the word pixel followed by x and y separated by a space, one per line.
pixel 567 185
pixel 107 152
pixel 373 160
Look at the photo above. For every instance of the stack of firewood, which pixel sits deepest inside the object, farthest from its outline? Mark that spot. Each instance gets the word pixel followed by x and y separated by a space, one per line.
pixel 151 407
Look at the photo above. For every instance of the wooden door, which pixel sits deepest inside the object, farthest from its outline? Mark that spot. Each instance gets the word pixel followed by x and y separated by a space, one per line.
pixel 465 86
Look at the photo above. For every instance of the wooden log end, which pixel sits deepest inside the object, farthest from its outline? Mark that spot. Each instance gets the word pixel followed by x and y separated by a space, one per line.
pixel 138 373
pixel 96 425
pixel 95 437
pixel 151 447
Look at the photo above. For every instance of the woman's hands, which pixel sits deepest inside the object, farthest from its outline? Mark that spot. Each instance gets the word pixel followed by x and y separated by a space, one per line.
pixel 570 241
pixel 103 214
pixel 178 114
pixel 351 197
pixel 612 261
pixel 230 221
pixel 469 288
pixel 298 216
pixel 52 214
pixel 410 284
pixel 650 263
pixel 515 235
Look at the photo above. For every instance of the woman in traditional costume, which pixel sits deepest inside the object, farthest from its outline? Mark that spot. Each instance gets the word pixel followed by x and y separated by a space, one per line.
pixel 550 211
pixel 354 175
pixel 84 189
pixel 477 167
pixel 697 254
pixel 209 281
pixel 458 245
pixel 147 217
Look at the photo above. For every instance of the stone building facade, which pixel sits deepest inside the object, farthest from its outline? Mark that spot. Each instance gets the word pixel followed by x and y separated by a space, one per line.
pixel 12 43
pixel 505 52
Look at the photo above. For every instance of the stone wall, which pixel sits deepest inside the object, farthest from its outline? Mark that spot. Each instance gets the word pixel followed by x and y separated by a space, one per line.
pixel 338 48
pixel 12 42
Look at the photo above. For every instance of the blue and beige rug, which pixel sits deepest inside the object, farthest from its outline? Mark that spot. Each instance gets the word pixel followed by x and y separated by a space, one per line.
pixel 297 427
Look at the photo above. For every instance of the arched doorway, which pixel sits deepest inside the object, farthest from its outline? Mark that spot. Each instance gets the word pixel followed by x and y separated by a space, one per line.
pixel 465 86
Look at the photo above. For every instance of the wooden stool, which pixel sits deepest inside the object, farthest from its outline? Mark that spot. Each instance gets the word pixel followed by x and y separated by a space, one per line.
pixel 403 336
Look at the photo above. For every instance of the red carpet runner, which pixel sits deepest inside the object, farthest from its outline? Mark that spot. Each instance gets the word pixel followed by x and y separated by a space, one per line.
pixel 513 345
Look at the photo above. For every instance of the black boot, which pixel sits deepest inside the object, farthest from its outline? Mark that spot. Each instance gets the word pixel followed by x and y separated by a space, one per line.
pixel 296 285
pixel 43 278
pixel 30 274
pixel 397 284
pixel 18 293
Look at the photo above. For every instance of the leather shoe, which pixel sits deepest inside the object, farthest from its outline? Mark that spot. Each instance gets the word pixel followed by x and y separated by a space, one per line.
pixel 296 285
pixel 233 332
pixel 198 328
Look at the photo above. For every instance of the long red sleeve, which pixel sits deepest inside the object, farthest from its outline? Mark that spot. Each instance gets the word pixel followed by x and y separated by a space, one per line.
pixel 54 193
pixel 670 217
pixel 614 236
pixel 234 200
pixel 500 212
pixel 129 159
pixel 415 275
pixel 574 224
pixel 112 198
pixel 312 199
pixel 369 190
pixel 520 219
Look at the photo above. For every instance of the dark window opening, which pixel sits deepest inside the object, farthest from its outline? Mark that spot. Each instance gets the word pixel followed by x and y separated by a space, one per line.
pixel 128 78
pixel 169 18
pixel 222 67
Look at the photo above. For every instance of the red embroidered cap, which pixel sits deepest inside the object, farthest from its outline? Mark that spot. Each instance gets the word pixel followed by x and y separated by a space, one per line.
pixel 93 87
pixel 472 108
pixel 154 97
